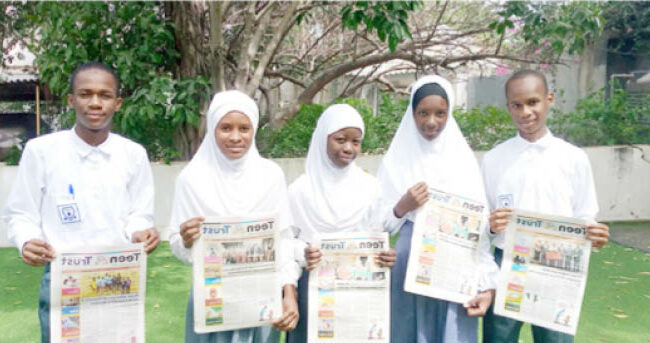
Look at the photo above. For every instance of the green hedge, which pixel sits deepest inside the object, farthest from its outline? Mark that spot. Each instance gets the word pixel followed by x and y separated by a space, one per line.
pixel 595 121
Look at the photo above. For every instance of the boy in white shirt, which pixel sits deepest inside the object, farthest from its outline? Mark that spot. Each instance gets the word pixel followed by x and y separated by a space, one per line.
pixel 538 172
pixel 81 187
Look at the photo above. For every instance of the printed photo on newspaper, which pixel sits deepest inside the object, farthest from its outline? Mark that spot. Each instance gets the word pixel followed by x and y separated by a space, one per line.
pixel 236 278
pixel 349 293
pixel 444 259
pixel 98 295
pixel 544 271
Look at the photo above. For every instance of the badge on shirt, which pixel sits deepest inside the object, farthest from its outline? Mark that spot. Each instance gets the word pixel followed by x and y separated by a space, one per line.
pixel 505 201
pixel 69 213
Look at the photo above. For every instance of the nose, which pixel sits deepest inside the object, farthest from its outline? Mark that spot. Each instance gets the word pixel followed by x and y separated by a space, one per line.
pixel 235 136
pixel 347 147
pixel 431 123
pixel 94 101
pixel 528 111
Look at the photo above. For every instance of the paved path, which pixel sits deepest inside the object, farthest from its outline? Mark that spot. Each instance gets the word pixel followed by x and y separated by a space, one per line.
pixel 632 234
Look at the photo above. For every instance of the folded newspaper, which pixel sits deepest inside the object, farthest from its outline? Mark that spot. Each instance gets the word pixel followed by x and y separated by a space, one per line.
pixel 98 295
pixel 236 279
pixel 349 293
pixel 444 258
pixel 544 271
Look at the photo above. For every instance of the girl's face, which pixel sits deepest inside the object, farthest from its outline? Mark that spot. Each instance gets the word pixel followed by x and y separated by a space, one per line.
pixel 431 116
pixel 343 146
pixel 234 135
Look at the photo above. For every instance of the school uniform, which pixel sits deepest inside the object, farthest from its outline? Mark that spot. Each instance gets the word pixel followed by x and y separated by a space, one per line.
pixel 448 164
pixel 548 176
pixel 212 185
pixel 329 199
pixel 71 194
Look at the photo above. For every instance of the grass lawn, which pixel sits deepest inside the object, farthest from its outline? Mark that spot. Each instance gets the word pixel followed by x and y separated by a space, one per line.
pixel 615 309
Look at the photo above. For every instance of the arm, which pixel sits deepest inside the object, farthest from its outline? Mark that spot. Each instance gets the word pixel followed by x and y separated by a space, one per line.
pixel 139 224
pixel 22 211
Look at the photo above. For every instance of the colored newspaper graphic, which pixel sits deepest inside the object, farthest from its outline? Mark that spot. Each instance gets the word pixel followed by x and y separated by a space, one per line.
pixel 444 259
pixel 98 295
pixel 236 282
pixel 349 293
pixel 544 271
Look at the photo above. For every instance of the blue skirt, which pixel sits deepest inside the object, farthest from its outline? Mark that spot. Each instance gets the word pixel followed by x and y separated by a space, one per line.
pixel 420 319
pixel 262 334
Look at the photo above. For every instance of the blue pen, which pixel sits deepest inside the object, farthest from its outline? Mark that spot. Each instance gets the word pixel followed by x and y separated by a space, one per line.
pixel 71 190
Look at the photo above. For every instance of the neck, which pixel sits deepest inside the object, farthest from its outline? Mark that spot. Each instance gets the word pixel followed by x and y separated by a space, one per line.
pixel 535 136
pixel 92 137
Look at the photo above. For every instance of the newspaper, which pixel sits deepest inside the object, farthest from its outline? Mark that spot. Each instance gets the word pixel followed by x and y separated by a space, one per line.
pixel 349 294
pixel 236 278
pixel 98 295
pixel 544 271
pixel 444 258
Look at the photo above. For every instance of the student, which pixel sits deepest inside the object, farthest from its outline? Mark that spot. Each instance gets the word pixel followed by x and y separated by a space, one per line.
pixel 333 195
pixel 429 150
pixel 538 172
pixel 228 178
pixel 81 187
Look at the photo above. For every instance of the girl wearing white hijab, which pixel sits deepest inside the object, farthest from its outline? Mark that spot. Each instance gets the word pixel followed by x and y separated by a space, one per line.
pixel 429 150
pixel 226 178
pixel 333 195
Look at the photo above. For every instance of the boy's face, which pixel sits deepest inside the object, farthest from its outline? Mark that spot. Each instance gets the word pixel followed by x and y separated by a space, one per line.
pixel 94 99
pixel 528 104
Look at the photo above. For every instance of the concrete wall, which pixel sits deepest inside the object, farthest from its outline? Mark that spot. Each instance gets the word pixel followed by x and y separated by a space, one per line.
pixel 622 175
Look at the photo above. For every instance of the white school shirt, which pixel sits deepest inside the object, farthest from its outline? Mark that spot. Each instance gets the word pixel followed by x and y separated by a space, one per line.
pixel 549 176
pixel 72 194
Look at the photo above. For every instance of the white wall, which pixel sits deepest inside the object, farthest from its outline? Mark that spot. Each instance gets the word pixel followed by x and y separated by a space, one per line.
pixel 621 173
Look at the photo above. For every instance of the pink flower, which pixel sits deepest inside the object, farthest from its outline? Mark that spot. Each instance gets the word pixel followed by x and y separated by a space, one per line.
pixel 537 51
pixel 546 43
pixel 501 70
pixel 544 65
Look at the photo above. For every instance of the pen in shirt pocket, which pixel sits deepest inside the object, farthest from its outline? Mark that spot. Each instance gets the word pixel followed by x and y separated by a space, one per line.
pixel 71 191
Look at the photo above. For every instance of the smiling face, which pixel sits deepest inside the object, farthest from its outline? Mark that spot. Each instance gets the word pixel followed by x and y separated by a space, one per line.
pixel 431 116
pixel 344 145
pixel 528 104
pixel 234 135
pixel 94 99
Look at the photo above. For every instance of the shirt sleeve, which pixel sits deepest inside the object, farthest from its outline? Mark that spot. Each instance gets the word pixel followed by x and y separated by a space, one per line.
pixel 22 211
pixel 585 202
pixel 141 193
pixel 180 210
pixel 489 271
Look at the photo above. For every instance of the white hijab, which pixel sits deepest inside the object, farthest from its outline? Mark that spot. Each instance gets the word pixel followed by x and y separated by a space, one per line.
pixel 447 163
pixel 213 185
pixel 328 198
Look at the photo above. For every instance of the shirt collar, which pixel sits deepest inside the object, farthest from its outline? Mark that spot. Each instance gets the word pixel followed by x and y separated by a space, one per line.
pixel 84 149
pixel 540 144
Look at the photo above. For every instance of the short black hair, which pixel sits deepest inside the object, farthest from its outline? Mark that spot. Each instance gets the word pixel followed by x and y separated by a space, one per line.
pixel 94 65
pixel 524 73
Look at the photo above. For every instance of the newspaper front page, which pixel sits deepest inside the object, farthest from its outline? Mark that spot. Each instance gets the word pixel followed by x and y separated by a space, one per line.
pixel 98 294
pixel 444 260
pixel 236 279
pixel 544 271
pixel 349 293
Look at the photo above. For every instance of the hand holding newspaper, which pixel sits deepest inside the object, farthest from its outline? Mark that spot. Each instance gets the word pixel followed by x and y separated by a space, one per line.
pixel 444 258
pixel 98 295
pixel 349 293
pixel 236 282
pixel 544 271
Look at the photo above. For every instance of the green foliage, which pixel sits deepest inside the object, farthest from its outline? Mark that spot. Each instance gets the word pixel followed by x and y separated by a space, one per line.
pixel 485 127
pixel 293 139
pixel 138 41
pixel 388 18
pixel 600 121
pixel 563 26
